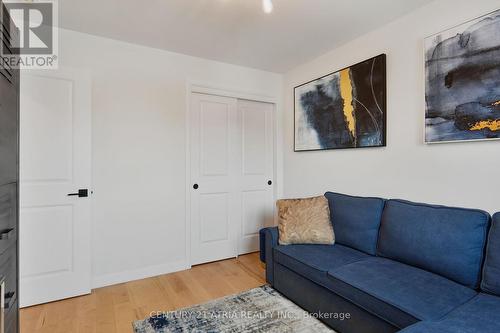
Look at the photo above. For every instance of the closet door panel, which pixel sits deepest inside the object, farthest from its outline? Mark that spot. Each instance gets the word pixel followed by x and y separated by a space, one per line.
pixel 257 172
pixel 215 213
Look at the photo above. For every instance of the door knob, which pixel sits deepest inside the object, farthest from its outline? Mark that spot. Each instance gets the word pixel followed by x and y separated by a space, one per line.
pixel 269 182
pixel 195 186
pixel 82 193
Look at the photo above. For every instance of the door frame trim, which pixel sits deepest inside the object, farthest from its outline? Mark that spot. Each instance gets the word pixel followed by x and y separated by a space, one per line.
pixel 212 89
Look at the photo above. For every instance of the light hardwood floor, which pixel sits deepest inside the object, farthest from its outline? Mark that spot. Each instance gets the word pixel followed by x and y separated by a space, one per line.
pixel 113 309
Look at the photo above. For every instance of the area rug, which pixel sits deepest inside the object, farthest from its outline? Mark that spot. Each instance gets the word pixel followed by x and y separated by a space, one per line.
pixel 258 310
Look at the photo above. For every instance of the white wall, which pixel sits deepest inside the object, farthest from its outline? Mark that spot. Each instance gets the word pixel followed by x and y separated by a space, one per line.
pixel 138 109
pixel 464 174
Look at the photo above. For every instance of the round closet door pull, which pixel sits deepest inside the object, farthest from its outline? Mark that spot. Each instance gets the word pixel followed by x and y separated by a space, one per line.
pixel 196 186
pixel 269 183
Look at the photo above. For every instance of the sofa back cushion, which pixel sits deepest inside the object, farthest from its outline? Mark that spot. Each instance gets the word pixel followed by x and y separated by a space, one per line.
pixel 444 240
pixel 356 220
pixel 491 270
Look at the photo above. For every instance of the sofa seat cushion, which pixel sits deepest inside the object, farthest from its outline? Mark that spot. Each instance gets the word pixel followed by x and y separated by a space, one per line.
pixel 480 315
pixel 396 292
pixel 314 261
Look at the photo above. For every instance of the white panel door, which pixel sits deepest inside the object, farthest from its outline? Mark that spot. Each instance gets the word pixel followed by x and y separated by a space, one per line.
pixel 257 170
pixel 214 202
pixel 232 167
pixel 55 161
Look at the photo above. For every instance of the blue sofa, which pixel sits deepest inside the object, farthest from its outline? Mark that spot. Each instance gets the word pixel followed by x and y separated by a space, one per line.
pixel 396 266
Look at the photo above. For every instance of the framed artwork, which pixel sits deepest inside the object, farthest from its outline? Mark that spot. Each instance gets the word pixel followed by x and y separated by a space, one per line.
pixel 344 109
pixel 462 82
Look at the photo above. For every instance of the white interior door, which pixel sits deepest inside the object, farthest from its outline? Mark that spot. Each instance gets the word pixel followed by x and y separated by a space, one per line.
pixel 232 167
pixel 257 172
pixel 54 161
pixel 214 125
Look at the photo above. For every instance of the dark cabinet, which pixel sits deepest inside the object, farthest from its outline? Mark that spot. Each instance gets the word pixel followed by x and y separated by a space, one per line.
pixel 8 217
pixel 9 181
pixel 8 132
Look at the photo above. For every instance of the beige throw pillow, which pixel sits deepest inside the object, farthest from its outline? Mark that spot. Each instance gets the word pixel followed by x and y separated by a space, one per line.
pixel 305 221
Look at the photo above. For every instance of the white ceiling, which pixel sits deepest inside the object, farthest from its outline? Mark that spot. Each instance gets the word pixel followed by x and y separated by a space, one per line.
pixel 235 31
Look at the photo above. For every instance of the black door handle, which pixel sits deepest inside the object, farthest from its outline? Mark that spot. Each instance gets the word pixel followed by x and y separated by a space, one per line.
pixel 269 183
pixel 195 186
pixel 81 193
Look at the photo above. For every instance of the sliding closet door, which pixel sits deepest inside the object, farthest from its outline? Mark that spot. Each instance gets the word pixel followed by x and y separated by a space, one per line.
pixel 214 174
pixel 232 166
pixel 256 172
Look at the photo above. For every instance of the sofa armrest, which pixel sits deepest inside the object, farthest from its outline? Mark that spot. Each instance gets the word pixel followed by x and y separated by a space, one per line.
pixel 268 241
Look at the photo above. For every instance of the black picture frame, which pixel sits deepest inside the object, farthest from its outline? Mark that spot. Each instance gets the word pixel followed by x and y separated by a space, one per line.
pixel 380 101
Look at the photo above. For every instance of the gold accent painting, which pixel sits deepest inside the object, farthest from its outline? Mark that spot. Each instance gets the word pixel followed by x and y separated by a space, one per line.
pixel 462 95
pixel 345 109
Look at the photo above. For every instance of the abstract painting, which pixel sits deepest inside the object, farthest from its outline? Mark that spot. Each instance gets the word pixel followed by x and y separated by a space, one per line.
pixel 345 109
pixel 462 90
